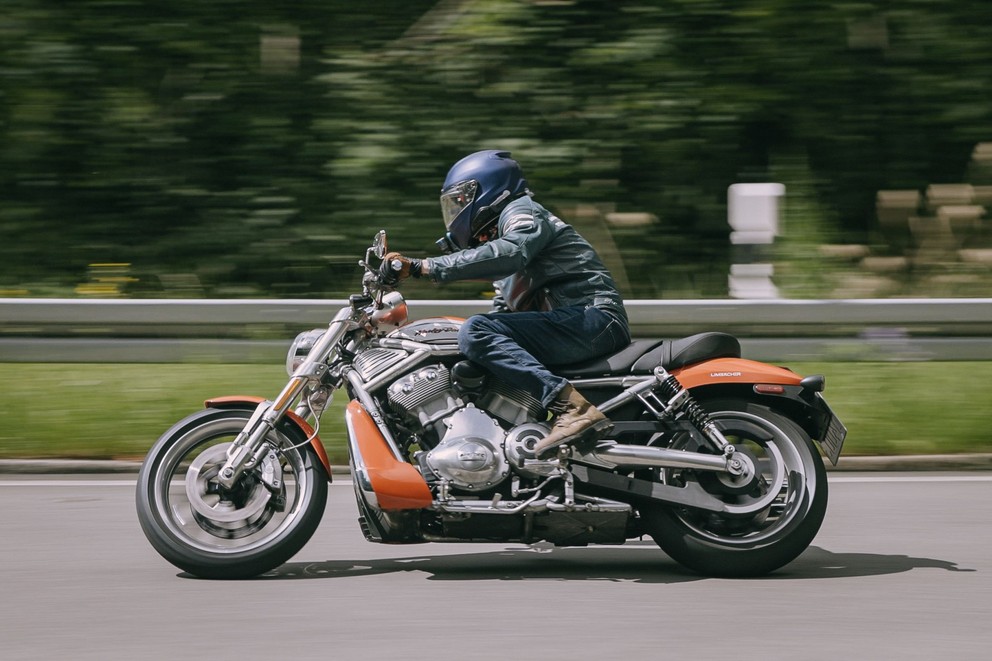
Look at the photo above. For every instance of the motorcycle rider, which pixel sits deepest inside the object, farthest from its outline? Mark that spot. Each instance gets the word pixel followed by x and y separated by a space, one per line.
pixel 556 303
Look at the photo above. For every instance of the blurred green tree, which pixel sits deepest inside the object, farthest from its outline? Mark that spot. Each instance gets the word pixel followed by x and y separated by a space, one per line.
pixel 251 148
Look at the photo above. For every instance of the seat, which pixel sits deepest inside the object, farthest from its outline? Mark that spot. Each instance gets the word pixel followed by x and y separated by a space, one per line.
pixel 642 356
pixel 688 350
pixel 618 363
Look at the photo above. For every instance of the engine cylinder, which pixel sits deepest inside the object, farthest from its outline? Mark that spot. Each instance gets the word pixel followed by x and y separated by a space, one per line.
pixel 510 403
pixel 424 395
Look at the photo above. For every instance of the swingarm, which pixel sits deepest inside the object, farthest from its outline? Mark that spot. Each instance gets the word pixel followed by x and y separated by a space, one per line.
pixel 663 396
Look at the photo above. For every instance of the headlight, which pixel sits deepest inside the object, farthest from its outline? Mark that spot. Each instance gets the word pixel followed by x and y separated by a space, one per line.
pixel 301 347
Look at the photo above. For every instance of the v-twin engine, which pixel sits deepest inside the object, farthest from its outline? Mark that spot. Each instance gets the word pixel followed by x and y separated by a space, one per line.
pixel 473 436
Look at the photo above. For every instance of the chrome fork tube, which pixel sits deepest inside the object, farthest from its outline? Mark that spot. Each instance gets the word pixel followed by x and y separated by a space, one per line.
pixel 249 445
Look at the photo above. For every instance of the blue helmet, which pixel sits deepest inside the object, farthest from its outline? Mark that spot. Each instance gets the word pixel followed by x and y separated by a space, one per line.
pixel 474 193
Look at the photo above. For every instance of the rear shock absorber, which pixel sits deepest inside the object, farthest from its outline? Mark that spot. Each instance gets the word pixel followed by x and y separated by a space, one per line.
pixel 680 400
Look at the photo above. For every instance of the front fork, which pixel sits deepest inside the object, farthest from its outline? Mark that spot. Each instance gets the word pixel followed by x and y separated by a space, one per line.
pixel 249 446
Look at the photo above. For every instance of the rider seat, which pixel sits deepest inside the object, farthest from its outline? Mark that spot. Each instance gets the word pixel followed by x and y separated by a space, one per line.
pixel 642 356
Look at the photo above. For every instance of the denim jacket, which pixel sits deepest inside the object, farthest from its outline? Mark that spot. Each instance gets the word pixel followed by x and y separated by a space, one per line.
pixel 541 263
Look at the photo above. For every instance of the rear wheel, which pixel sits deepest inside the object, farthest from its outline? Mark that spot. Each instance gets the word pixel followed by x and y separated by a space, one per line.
pixel 213 532
pixel 772 518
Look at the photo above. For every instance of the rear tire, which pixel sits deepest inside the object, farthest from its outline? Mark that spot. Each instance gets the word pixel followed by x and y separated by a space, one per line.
pixel 238 533
pixel 756 544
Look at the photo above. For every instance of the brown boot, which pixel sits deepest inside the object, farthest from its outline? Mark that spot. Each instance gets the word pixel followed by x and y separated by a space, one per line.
pixel 576 420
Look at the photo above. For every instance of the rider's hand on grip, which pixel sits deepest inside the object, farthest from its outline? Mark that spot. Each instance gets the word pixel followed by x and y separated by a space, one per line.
pixel 396 267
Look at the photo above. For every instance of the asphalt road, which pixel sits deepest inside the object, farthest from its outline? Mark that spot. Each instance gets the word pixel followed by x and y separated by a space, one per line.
pixel 902 569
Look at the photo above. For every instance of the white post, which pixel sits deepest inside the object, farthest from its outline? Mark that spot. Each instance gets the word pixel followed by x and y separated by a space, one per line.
pixel 753 214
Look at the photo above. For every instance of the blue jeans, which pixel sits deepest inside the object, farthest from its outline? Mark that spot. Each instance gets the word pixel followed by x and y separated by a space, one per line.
pixel 516 346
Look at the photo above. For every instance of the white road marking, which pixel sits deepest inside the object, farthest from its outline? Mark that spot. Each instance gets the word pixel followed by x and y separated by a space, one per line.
pixel 908 478
pixel 346 482
pixel 103 483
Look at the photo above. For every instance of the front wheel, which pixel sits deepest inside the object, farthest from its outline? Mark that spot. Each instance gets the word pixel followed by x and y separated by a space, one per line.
pixel 790 474
pixel 213 532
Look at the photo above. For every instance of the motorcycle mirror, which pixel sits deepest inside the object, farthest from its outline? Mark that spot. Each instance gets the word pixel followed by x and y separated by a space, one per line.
pixel 379 244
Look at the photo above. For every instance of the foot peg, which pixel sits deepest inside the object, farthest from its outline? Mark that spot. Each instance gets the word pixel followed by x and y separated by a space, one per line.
pixel 589 435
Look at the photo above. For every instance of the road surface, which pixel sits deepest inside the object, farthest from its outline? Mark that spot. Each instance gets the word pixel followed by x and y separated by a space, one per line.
pixel 902 569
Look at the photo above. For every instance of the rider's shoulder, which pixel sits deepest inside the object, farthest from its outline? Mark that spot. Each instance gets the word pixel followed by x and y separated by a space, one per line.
pixel 521 214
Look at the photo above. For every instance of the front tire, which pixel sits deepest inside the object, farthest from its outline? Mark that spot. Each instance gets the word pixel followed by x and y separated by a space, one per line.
pixel 227 533
pixel 758 543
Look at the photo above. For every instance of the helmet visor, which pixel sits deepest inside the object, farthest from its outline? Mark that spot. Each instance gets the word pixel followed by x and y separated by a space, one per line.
pixel 456 198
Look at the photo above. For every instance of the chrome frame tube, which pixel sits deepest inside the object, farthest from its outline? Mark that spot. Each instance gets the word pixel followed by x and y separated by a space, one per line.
pixel 609 382
pixel 645 385
pixel 366 400
pixel 409 345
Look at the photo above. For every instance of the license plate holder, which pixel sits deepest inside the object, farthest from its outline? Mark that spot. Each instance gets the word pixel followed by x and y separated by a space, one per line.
pixel 833 438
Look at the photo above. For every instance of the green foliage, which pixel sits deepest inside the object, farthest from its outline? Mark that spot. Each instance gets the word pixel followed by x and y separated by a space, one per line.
pixel 251 148
pixel 108 410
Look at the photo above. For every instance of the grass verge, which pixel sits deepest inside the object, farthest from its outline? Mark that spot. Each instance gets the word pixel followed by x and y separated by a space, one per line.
pixel 119 410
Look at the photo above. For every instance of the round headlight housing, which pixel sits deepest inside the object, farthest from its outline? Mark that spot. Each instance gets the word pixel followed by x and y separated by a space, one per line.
pixel 300 348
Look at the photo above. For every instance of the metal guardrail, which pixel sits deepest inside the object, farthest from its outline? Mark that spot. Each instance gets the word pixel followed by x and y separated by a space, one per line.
pixel 194 330
pixel 905 312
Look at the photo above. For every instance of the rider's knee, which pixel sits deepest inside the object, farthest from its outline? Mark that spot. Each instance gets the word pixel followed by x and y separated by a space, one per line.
pixel 474 337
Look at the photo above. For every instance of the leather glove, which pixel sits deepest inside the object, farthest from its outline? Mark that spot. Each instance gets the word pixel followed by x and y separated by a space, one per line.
pixel 396 267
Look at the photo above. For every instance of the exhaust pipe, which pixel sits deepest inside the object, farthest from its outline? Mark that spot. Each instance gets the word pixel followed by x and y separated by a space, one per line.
pixel 640 456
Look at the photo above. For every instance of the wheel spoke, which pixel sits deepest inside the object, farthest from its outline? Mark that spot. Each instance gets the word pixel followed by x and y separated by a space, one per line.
pixel 206 515
pixel 774 460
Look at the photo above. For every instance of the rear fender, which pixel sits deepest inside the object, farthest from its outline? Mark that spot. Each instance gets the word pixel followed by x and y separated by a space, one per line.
pixel 734 370
pixel 387 482
pixel 799 399
pixel 249 403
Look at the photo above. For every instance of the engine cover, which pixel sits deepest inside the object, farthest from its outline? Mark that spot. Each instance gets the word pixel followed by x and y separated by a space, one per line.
pixel 470 455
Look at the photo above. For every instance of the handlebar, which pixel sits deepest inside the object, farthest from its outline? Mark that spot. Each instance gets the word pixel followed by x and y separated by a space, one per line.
pixel 382 279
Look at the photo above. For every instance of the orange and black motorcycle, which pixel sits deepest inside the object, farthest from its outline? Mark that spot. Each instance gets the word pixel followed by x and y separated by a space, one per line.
pixel 713 456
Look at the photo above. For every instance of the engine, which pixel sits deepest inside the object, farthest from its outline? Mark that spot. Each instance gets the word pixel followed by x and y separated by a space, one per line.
pixel 477 435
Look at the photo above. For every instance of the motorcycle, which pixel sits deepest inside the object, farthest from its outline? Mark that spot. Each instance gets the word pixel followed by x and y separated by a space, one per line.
pixel 712 455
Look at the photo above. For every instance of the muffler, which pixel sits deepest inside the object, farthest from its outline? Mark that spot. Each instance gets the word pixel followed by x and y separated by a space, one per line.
pixel 642 456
